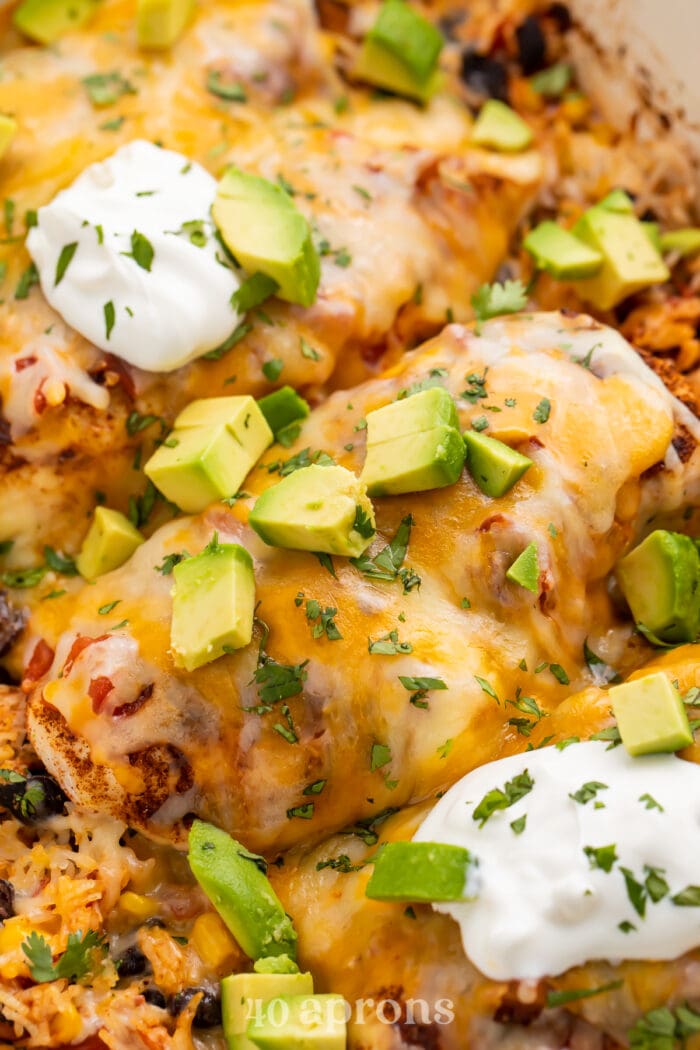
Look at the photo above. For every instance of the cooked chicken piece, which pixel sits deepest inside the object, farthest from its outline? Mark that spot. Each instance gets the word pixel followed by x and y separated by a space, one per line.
pixel 123 729
pixel 408 218
pixel 377 952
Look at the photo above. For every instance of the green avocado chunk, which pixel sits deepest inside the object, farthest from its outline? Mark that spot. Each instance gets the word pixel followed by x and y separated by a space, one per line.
pixel 319 509
pixel 650 715
pixel 46 20
pixel 430 459
pixel 619 201
pixel 110 541
pixel 214 445
pixel 244 994
pixel 233 879
pixel 494 466
pixel 160 22
pixel 300 1022
pixel 686 242
pixel 282 407
pixel 400 53
pixel 412 415
pixel 213 603
pixel 630 260
pixel 560 253
pixel 499 127
pixel 660 579
pixel 266 232
pixel 419 871
pixel 525 570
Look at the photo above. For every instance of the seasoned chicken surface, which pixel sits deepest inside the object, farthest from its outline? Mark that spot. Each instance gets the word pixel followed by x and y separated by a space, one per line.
pixel 374 950
pixel 125 730
pixel 408 216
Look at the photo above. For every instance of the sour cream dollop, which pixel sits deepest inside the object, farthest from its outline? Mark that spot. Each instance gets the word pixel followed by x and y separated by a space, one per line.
pixel 544 900
pixel 135 222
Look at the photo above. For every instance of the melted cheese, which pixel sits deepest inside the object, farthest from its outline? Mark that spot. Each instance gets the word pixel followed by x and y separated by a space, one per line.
pixel 461 546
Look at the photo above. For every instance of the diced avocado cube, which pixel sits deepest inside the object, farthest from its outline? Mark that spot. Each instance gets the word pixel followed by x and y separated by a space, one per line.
pixel 197 466
pixel 266 232
pixel 412 415
pixel 400 53
pixel 242 415
pixel 110 541
pixel 525 570
pixel 8 128
pixel 316 509
pixel 160 22
pixel 430 459
pixel 686 242
pixel 234 880
pixel 46 20
pixel 499 127
pixel 300 1022
pixel 213 603
pixel 419 871
pixel 650 715
pixel 619 201
pixel 660 579
pixel 552 82
pixel 494 466
pixel 282 407
pixel 560 253
pixel 215 444
pixel 630 261
pixel 244 994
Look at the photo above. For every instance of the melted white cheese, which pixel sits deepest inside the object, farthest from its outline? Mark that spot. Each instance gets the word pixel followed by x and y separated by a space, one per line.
pixel 165 316
pixel 540 905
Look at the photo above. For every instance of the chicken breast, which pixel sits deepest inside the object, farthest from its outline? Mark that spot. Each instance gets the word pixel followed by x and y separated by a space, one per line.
pixel 408 217
pixel 125 730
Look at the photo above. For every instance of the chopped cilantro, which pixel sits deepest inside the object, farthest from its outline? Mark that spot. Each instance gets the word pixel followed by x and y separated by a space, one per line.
pixel 105 609
pixel 64 261
pixel 572 995
pixel 518 825
pixel 26 282
pixel 60 563
pixel 541 413
pixel 498 798
pixel 588 791
pixel 388 645
pixel 362 523
pixel 688 897
pixel 476 388
pixel 380 756
pixel 308 351
pixel 323 620
pixel 492 300
pixel 230 91
pixel 305 458
pixel 650 803
pixel 110 317
pixel 487 688
pixel 304 812
pixel 141 250
pixel 602 857
pixel 106 88
pixel 240 332
pixel 77 961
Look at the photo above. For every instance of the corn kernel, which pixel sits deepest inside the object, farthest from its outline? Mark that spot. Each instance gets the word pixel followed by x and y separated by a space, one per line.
pixel 67 1025
pixel 12 934
pixel 212 940
pixel 137 905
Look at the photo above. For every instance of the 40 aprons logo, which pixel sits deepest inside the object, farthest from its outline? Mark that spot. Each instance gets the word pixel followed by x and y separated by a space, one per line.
pixel 325 1011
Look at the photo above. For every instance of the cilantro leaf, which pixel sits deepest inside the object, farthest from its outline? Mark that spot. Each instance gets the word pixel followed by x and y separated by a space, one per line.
pixel 362 523
pixel 277 681
pixel 588 791
pixel 141 250
pixel 64 261
pixel 229 91
pixel 39 958
pixel 492 300
pixel 253 291
pixel 498 798
pixel 106 88
pixel 387 564
pixel 75 963
pixel 572 995
pixel 388 645
pixel 602 857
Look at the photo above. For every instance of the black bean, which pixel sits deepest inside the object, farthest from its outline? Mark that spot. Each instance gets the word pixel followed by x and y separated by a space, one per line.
pixel 532 46
pixel 208 1013
pixel 7 900
pixel 155 921
pixel 33 800
pixel 132 962
pixel 484 75
pixel 155 997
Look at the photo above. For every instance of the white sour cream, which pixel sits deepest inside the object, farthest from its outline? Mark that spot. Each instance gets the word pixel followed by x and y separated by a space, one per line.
pixel 540 906
pixel 163 317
